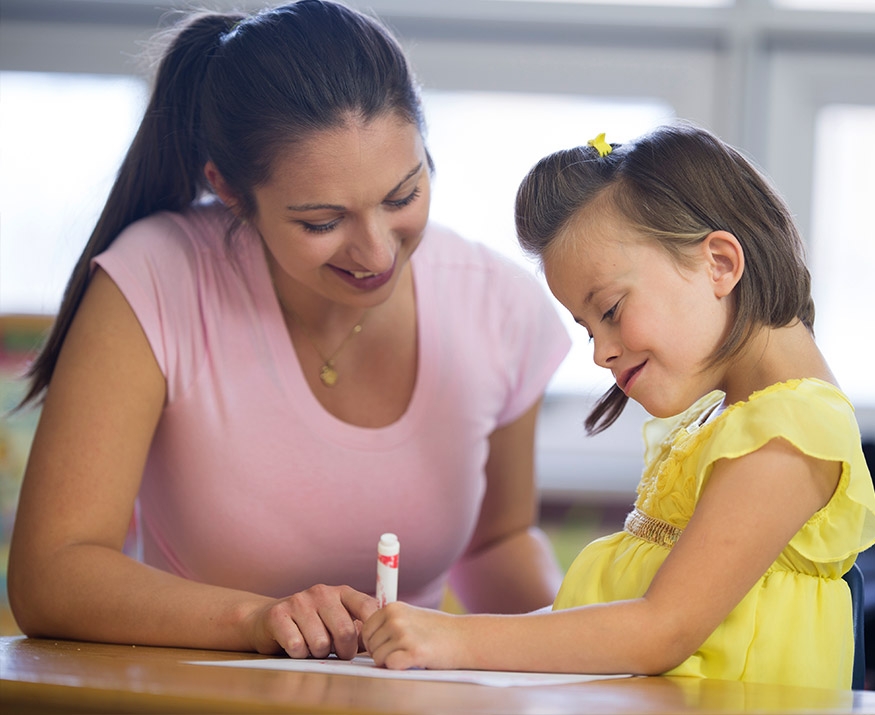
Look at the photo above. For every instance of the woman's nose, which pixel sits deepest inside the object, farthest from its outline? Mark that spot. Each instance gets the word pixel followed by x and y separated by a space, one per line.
pixel 373 246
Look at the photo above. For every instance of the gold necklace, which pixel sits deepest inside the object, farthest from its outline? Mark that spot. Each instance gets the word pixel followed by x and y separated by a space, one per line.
pixel 327 373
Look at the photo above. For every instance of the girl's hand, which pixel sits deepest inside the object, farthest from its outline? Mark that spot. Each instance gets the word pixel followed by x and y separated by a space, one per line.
pixel 400 636
pixel 316 622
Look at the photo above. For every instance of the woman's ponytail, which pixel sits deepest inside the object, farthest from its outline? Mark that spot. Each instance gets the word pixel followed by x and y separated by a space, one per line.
pixel 162 170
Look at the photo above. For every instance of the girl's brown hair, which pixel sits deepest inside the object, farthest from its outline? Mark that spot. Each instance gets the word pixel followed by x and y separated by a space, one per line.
pixel 676 185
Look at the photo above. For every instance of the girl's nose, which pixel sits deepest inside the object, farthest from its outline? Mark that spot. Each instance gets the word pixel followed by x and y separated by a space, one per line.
pixel 606 349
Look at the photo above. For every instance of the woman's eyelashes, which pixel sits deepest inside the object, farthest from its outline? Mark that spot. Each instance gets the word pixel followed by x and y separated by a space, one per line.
pixel 391 203
pixel 406 201
pixel 320 227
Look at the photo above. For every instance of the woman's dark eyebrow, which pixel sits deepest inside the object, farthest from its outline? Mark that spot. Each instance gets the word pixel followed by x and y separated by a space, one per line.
pixel 336 207
pixel 413 172
pixel 315 207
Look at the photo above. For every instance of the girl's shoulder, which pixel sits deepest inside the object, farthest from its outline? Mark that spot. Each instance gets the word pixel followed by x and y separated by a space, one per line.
pixel 807 401
pixel 813 415
pixel 801 389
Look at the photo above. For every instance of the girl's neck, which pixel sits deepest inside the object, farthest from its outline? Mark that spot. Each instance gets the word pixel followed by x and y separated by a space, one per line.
pixel 774 355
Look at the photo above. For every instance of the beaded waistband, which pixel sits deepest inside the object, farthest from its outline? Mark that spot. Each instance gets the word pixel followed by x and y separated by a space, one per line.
pixel 652 529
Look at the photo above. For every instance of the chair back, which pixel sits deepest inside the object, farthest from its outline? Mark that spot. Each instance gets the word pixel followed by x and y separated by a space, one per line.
pixel 854 579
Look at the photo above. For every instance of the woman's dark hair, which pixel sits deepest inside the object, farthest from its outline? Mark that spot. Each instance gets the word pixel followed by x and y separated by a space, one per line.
pixel 676 185
pixel 237 90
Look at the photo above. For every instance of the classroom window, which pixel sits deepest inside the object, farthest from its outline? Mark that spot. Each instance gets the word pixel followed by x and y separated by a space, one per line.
pixel 842 246
pixel 828 5
pixel 667 3
pixel 63 138
pixel 483 143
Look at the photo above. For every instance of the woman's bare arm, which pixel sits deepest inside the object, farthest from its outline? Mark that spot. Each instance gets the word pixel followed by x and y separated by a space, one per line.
pixel 68 577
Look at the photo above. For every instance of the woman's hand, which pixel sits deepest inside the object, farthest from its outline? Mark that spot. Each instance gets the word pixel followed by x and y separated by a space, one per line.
pixel 400 636
pixel 316 622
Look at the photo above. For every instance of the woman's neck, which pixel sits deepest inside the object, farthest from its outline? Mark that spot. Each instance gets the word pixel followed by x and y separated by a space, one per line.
pixel 315 313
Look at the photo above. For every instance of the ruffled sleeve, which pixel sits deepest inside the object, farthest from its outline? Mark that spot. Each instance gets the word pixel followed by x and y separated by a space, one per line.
pixel 817 419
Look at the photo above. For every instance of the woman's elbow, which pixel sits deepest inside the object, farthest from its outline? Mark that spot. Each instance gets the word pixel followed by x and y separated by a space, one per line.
pixel 19 604
pixel 23 589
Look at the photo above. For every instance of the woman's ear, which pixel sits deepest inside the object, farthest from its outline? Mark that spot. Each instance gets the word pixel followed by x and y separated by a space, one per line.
pixel 725 258
pixel 220 186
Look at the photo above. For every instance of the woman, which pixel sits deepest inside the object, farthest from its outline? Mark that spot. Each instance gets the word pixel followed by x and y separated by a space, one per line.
pixel 267 357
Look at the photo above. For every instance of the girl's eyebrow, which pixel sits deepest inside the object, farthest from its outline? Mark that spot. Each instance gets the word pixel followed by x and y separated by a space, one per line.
pixel 336 207
pixel 598 288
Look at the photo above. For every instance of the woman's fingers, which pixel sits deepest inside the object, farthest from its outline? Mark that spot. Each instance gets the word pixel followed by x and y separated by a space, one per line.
pixel 320 621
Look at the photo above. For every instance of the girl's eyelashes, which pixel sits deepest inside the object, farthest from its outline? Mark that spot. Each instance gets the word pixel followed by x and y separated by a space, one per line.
pixel 588 331
pixel 609 314
pixel 406 201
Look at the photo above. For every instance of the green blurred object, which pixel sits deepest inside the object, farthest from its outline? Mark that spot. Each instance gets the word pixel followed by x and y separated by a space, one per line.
pixel 20 339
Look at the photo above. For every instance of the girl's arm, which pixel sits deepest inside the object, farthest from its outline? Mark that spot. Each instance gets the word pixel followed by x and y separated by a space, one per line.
pixel 750 509
pixel 509 566
pixel 68 577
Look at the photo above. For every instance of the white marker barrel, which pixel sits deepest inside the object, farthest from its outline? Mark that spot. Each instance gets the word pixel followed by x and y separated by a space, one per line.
pixel 387 569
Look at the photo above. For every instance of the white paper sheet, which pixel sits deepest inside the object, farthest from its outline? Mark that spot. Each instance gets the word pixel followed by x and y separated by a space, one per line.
pixel 364 666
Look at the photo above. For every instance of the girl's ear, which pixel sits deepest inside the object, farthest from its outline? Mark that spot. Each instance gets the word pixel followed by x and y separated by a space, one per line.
pixel 220 186
pixel 725 258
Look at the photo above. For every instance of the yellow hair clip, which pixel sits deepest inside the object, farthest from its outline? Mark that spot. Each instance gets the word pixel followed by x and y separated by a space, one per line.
pixel 600 145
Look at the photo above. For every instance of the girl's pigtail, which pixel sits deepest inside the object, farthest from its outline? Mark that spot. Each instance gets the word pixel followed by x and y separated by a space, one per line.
pixel 606 411
pixel 162 170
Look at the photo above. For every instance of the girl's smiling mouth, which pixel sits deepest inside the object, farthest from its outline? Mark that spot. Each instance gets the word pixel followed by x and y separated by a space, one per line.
pixel 627 377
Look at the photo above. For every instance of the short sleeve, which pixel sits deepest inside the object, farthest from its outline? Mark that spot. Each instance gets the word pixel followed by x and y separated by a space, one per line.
pixel 534 341
pixel 155 264
pixel 819 421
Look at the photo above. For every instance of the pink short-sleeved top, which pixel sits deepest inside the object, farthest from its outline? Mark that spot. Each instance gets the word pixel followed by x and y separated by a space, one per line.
pixel 250 483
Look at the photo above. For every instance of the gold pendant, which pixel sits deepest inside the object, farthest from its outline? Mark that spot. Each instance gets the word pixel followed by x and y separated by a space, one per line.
pixel 328 375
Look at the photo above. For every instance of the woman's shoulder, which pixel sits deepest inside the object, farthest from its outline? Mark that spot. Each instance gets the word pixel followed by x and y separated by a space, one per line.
pixel 443 245
pixel 457 265
pixel 175 253
pixel 202 226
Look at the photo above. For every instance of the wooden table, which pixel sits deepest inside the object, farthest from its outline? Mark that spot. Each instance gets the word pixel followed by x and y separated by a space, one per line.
pixel 51 676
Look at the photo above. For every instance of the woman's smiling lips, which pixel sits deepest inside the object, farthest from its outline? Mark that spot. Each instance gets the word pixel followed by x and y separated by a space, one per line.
pixel 364 280
pixel 624 381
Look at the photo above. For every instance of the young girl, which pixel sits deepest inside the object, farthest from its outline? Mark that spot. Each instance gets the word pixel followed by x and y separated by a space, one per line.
pixel 685 269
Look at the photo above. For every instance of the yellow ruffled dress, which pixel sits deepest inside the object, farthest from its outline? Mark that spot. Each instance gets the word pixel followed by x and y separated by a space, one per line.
pixel 795 625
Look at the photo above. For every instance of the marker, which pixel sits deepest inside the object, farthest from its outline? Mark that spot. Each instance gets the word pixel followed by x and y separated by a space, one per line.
pixel 387 569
